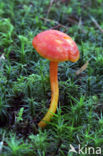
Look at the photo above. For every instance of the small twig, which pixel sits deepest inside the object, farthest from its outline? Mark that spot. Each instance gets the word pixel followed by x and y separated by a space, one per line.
pixel 93 19
pixel 59 24
pixel 50 5
pixel 96 23
pixel 63 26
pixel 79 71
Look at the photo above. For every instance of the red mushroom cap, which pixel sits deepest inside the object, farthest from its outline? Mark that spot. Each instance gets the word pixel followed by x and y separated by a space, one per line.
pixel 56 46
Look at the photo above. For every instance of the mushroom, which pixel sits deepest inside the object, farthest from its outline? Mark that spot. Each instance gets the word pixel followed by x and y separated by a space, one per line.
pixel 57 47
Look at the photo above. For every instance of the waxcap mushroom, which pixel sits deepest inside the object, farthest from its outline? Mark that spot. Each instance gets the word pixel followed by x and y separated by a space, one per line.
pixel 56 46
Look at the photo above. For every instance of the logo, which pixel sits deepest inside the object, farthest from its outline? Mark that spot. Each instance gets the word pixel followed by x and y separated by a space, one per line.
pixel 72 149
pixel 85 150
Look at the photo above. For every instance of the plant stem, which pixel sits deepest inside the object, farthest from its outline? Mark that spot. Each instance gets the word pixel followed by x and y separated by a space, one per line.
pixel 54 94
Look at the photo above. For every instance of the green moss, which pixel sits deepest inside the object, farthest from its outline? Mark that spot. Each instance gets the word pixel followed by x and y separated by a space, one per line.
pixel 24 78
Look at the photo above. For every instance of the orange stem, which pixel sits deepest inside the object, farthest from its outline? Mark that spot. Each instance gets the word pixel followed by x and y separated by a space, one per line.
pixel 54 94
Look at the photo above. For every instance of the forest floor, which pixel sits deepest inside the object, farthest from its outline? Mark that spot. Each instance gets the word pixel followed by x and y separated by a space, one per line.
pixel 25 86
